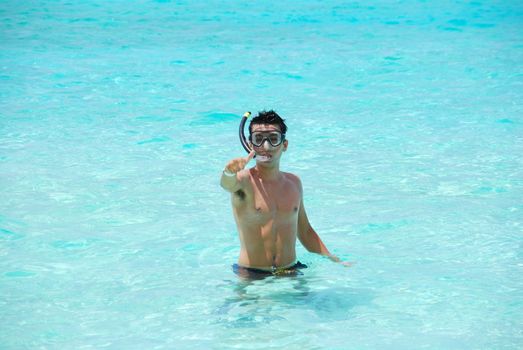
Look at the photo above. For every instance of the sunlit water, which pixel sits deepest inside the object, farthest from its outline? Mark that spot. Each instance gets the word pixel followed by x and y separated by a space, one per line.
pixel 405 124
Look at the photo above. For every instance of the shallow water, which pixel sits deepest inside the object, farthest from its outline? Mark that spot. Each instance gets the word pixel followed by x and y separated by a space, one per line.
pixel 405 125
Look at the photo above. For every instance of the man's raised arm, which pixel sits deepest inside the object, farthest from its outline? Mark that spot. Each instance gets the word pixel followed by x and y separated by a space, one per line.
pixel 229 180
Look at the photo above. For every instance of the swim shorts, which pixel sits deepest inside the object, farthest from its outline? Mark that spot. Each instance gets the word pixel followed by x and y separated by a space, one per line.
pixel 252 273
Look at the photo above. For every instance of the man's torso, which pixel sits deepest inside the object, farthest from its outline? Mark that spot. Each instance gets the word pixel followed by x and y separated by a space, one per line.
pixel 266 214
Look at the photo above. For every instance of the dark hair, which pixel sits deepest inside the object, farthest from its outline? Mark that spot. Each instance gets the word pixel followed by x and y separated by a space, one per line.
pixel 268 117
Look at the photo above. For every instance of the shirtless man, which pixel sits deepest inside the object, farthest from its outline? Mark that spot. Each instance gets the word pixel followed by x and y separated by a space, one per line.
pixel 268 204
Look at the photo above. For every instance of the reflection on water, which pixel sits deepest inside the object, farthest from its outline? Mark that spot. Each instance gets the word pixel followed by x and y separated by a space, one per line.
pixel 252 303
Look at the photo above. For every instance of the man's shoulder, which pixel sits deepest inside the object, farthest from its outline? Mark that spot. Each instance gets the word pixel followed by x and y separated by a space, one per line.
pixel 291 177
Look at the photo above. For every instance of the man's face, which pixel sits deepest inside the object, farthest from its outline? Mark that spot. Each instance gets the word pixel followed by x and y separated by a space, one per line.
pixel 268 143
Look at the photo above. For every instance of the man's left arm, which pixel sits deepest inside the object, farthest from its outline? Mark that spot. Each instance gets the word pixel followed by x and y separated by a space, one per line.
pixel 308 236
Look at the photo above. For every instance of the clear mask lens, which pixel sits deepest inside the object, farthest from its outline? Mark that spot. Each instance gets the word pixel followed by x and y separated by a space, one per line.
pixel 275 138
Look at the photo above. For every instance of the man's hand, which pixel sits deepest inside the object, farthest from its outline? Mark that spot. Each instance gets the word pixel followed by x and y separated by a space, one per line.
pixel 238 164
pixel 229 182
pixel 338 260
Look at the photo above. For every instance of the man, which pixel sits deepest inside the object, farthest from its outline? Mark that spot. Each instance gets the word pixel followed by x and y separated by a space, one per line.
pixel 268 204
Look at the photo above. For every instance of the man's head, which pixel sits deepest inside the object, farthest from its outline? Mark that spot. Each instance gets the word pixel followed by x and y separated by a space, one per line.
pixel 267 137
pixel 268 117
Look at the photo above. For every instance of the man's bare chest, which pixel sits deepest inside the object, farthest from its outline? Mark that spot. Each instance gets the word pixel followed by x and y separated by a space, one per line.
pixel 281 200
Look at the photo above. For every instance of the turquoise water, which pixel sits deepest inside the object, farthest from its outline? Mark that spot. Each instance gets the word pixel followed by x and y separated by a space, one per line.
pixel 405 125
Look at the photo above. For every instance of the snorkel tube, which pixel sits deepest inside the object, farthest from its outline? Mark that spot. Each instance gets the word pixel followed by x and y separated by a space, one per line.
pixel 243 140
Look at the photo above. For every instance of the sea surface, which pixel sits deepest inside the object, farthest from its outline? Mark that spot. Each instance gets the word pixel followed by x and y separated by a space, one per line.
pixel 405 125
